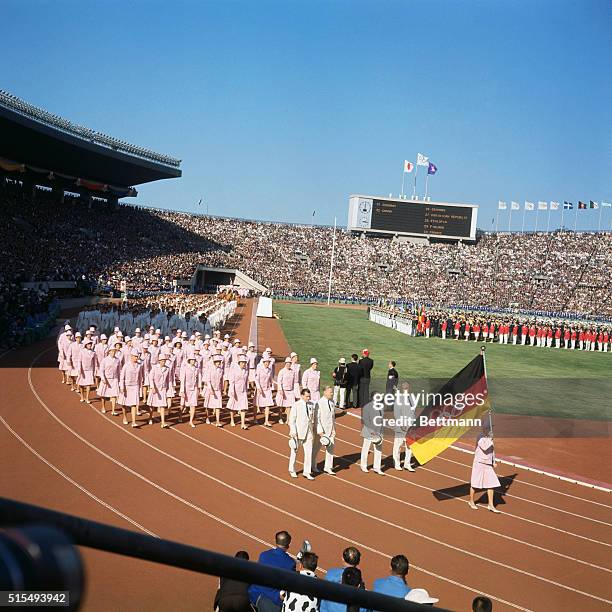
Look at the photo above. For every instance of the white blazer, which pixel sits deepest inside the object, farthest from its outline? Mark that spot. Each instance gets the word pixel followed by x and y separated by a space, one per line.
pixel 326 417
pixel 302 419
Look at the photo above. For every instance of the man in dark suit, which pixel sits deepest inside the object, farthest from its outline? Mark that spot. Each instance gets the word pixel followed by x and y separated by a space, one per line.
pixel 352 400
pixel 365 368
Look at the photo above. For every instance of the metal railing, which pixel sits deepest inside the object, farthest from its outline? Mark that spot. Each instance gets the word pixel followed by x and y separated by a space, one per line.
pixel 99 536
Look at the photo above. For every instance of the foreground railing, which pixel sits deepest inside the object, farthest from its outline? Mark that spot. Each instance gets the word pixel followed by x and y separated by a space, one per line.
pixel 84 532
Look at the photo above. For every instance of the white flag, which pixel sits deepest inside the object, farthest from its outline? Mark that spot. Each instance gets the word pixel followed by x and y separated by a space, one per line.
pixel 515 206
pixel 501 205
pixel 529 205
pixel 422 160
pixel 554 206
pixel 408 166
pixel 606 205
pixel 542 205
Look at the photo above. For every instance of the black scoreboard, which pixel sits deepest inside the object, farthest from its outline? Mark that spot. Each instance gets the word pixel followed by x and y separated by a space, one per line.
pixel 397 216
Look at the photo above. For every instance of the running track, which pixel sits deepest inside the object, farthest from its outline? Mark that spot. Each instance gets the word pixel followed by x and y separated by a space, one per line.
pixel 228 490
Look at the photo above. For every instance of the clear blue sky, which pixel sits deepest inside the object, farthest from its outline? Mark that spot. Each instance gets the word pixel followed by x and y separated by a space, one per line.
pixel 279 108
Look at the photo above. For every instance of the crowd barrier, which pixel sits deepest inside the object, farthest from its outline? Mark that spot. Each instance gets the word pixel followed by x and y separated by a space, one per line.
pixel 84 532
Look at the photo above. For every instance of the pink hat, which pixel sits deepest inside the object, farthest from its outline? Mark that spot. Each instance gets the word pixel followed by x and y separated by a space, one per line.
pixel 184 334
pixel 103 337
pixel 287 359
pixel 144 345
pixel 77 335
pixel 236 341
pixel 293 355
pixel 242 359
pixel 198 333
pixel 313 360
pixel 137 330
pixel 67 327
pixel 226 336
pixel 217 358
pixel 135 353
pixel 163 355
pixel 192 337
pixel 116 329
pixel 166 338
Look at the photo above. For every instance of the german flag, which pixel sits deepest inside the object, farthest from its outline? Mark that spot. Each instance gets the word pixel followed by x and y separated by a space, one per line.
pixel 451 411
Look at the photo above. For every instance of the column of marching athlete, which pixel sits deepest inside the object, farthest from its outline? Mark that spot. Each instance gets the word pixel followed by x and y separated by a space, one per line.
pixel 207 379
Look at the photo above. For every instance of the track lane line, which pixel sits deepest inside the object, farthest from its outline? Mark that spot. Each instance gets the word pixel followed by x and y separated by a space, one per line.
pixel 239 530
pixel 360 512
pixel 74 483
pixel 404 502
pixel 462 480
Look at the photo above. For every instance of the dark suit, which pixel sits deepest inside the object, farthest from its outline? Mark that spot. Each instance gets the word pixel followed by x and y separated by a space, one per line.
pixel 352 394
pixel 365 369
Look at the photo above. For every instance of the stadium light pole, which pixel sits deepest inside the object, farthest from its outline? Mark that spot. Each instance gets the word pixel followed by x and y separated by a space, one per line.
pixel 331 264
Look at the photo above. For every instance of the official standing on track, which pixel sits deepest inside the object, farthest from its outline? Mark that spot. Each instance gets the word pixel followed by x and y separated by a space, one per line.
pixel 341 382
pixel 365 369
pixel 326 431
pixel 301 432
pixel 352 399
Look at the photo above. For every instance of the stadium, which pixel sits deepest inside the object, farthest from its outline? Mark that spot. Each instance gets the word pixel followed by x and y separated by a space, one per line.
pixel 179 386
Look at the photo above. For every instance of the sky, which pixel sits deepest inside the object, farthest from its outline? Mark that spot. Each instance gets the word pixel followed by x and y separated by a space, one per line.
pixel 279 109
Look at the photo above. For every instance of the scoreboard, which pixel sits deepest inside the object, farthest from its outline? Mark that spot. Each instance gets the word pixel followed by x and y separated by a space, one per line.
pixel 373 214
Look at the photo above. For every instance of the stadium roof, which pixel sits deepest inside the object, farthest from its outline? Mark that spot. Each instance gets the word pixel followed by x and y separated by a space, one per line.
pixel 41 140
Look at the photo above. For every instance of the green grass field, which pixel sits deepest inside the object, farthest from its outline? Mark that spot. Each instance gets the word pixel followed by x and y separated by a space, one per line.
pixel 522 380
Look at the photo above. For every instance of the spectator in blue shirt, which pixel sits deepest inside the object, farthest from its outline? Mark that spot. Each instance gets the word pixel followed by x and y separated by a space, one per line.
pixel 395 584
pixel 351 557
pixel 267 599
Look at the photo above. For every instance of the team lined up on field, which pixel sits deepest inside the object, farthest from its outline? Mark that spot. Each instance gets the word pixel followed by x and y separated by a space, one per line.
pixel 526 332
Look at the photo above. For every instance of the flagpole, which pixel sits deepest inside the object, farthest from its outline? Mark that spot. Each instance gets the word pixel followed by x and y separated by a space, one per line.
pixel 416 171
pixel 537 215
pixel 548 219
pixel 599 223
pixel 426 184
pixel 562 214
pixel 497 219
pixel 403 177
pixel 523 226
pixel 331 264
pixel 576 216
pixel 510 217
pixel 484 365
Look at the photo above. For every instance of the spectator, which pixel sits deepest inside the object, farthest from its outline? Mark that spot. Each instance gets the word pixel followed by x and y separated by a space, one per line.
pixel 298 602
pixel 351 557
pixel 267 599
pixel 482 604
pixel 232 595
pixel 395 584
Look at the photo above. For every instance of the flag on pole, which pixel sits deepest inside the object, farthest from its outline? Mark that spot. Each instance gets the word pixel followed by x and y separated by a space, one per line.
pixel 515 206
pixel 529 205
pixel 501 205
pixel 568 205
pixel 408 166
pixel 443 421
pixel 542 205
pixel 593 205
pixel 582 205
pixel 554 206
pixel 606 205
pixel 422 160
pixel 432 168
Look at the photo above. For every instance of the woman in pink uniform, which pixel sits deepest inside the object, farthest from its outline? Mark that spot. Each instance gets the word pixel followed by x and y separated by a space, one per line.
pixel 311 380
pixel 64 344
pixel 158 388
pixel 285 384
pixel 264 383
pixel 483 472
pixel 100 349
pixel 87 369
pixel 75 361
pixel 130 381
pixel 145 357
pixel 238 400
pixel 190 386
pixel 213 391
pixel 109 371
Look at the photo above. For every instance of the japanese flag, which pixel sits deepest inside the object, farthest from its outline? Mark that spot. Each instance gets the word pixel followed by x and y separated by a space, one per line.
pixel 408 166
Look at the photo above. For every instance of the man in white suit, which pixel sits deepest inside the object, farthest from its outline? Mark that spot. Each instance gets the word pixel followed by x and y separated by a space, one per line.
pixel 326 426
pixel 301 421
